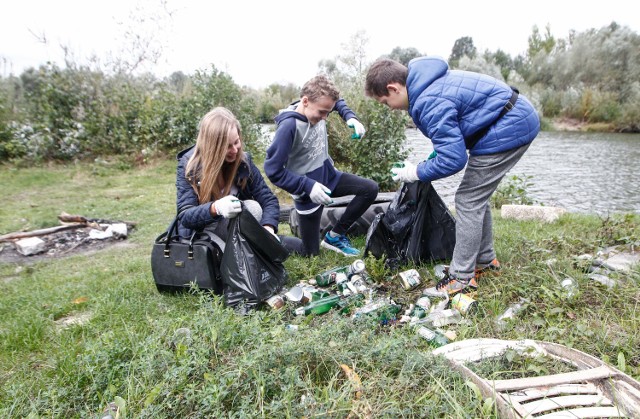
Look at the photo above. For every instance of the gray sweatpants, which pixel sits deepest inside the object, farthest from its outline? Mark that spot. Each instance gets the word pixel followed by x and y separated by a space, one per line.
pixel 474 227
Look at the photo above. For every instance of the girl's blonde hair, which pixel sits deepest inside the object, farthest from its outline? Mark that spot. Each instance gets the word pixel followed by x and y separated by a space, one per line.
pixel 208 160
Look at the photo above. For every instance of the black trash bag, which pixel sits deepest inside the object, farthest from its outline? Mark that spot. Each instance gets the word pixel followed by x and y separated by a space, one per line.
pixel 417 227
pixel 252 267
pixel 331 215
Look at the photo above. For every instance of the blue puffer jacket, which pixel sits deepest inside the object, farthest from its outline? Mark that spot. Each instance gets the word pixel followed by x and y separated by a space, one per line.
pixel 199 215
pixel 449 105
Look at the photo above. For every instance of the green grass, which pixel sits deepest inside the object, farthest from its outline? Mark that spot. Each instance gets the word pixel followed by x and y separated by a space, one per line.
pixel 252 366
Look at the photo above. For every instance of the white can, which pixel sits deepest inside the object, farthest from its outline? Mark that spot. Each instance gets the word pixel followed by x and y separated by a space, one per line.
pixel 409 279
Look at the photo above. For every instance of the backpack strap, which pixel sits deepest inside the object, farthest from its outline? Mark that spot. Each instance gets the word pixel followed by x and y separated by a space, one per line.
pixel 473 139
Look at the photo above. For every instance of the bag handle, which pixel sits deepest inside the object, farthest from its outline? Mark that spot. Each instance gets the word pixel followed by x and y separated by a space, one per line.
pixel 174 228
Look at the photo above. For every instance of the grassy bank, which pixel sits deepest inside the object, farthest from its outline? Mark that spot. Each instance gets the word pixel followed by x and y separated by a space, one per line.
pixel 126 349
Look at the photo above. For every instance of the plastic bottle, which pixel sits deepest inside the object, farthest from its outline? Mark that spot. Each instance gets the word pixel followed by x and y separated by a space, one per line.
pixel 435 338
pixel 318 307
pixel 569 287
pixel 385 308
pixel 441 318
pixel 510 312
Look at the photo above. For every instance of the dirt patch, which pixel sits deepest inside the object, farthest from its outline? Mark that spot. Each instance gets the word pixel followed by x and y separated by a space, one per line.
pixel 59 245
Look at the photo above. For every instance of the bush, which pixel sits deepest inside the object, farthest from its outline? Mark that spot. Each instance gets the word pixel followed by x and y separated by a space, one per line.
pixel 372 156
pixel 513 191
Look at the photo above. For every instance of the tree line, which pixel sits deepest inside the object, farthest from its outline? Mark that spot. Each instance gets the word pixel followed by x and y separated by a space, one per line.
pixel 78 111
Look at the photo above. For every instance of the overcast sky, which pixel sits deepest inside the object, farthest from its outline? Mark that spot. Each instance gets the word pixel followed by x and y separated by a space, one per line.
pixel 262 42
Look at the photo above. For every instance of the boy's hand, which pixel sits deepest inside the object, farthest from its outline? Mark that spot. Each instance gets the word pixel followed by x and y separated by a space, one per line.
pixel 408 173
pixel 320 194
pixel 357 127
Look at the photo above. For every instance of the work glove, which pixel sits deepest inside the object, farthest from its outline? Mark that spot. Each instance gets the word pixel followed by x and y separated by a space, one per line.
pixel 357 127
pixel 406 172
pixel 228 206
pixel 320 194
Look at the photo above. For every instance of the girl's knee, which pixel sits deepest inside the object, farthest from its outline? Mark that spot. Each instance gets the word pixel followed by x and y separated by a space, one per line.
pixel 254 208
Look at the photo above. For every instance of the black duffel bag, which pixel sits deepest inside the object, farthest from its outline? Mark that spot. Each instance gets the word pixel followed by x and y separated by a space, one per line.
pixel 177 264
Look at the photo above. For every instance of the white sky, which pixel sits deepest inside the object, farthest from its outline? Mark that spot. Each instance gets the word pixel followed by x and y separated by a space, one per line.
pixel 262 42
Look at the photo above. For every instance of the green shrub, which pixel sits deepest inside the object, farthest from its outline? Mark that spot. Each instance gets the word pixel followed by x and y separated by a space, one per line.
pixel 513 190
pixel 372 156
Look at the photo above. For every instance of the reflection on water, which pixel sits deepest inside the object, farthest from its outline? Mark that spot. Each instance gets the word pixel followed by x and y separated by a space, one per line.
pixel 581 172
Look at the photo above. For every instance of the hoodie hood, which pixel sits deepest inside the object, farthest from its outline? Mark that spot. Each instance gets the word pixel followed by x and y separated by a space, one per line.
pixel 290 112
pixel 422 72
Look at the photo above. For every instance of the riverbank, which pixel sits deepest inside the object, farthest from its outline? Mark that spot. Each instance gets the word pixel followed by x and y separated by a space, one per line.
pixel 80 331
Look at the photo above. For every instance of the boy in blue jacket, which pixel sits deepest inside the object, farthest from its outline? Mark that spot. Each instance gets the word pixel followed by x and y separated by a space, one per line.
pixel 298 161
pixel 460 111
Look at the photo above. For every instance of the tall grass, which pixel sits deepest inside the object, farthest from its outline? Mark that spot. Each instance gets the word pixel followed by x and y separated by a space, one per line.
pixel 132 345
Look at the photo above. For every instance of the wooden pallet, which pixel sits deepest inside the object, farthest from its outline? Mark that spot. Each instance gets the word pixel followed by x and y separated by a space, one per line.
pixel 595 390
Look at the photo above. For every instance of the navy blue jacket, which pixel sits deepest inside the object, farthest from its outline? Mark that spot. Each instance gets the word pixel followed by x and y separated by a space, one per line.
pixel 449 105
pixel 299 157
pixel 199 215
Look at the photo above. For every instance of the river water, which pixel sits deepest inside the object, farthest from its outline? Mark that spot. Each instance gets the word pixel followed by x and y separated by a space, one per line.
pixel 581 172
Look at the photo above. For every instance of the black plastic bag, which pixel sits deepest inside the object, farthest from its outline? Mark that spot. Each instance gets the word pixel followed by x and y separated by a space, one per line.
pixel 252 264
pixel 331 215
pixel 417 227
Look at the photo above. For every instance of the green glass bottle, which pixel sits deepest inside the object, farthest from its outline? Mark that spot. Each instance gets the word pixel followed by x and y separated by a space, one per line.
pixel 329 277
pixel 434 337
pixel 350 303
pixel 320 306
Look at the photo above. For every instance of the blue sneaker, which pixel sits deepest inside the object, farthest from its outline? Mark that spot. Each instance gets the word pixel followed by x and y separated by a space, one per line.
pixel 340 244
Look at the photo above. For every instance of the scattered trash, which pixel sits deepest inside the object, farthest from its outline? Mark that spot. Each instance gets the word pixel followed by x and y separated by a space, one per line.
pixel 347 290
pixel 277 302
pixel 510 313
pixel 434 337
pixel 439 299
pixel 464 303
pixel 409 279
pixel 441 318
pixel 320 306
pixel 569 287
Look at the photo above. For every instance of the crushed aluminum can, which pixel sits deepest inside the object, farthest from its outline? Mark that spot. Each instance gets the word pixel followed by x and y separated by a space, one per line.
pixel 357 267
pixel 340 278
pixel 409 279
pixel 464 303
pixel 276 302
pixel 359 282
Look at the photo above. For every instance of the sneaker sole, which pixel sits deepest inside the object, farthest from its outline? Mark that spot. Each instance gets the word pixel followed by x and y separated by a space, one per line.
pixel 336 249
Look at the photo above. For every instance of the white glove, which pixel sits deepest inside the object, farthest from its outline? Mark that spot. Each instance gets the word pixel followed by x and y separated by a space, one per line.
pixel 408 173
pixel 320 194
pixel 228 206
pixel 357 126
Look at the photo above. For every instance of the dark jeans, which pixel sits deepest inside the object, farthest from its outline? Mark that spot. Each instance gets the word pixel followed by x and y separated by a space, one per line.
pixel 365 191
